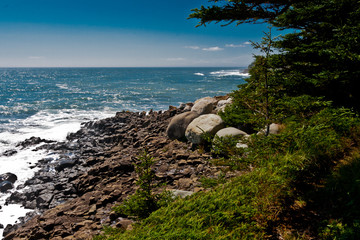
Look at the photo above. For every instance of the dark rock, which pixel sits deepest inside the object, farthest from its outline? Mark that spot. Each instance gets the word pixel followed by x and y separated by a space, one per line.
pixel 9 228
pixel 10 177
pixel 9 153
pixel 5 185
pixel 44 200
pixel 67 163
pixel 32 141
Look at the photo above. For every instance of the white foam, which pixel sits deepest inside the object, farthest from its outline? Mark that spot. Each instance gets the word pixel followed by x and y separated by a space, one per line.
pixel 10 214
pixel 224 73
pixel 62 86
pixel 199 74
pixel 50 125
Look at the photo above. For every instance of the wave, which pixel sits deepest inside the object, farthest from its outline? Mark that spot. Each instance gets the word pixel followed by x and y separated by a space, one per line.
pixel 62 86
pixel 50 125
pixel 225 73
pixel 199 74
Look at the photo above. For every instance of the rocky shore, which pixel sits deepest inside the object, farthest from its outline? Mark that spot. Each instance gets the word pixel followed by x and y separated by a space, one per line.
pixel 73 196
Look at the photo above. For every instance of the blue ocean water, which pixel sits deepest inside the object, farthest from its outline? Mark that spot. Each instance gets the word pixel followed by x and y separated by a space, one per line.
pixel 26 92
pixel 51 102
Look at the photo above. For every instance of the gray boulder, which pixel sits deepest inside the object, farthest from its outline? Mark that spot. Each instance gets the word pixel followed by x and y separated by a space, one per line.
pixel 230 131
pixel 179 123
pixel 208 123
pixel 220 107
pixel 204 105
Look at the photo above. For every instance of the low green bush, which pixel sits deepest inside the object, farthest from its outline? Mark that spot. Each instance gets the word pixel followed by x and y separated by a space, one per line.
pixel 144 201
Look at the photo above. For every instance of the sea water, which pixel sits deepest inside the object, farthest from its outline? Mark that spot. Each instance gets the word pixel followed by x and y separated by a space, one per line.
pixel 52 102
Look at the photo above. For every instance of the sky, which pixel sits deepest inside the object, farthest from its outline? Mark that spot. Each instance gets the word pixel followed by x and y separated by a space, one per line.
pixel 118 33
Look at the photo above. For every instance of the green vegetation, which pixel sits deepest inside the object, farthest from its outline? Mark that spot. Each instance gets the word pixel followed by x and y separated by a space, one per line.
pixel 144 201
pixel 303 183
pixel 286 168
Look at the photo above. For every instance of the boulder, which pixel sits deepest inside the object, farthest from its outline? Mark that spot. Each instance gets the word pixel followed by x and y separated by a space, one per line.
pixel 230 131
pixel 274 129
pixel 220 107
pixel 179 123
pixel 5 185
pixel 208 123
pixel 8 177
pixel 66 163
pixel 204 105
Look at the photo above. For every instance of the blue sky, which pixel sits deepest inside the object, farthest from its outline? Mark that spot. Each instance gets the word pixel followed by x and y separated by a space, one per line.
pixel 117 33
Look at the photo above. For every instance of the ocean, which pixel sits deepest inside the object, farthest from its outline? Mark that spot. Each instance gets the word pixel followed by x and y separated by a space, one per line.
pixel 51 102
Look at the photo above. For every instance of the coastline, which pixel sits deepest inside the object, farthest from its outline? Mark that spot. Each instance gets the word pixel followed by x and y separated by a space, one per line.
pixel 75 194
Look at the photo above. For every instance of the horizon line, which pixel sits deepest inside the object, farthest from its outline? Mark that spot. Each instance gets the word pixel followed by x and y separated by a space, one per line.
pixel 1 67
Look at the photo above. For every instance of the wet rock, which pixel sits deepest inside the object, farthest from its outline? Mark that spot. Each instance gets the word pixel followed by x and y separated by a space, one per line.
pixel 67 163
pixel 32 141
pixel 8 177
pixel 5 185
pixel 9 153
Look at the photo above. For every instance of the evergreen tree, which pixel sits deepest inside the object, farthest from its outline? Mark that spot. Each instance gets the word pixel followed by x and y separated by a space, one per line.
pixel 320 58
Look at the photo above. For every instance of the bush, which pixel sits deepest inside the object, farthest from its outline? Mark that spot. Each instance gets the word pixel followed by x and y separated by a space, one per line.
pixel 144 201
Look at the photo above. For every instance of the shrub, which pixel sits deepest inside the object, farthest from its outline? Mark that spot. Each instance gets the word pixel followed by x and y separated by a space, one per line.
pixel 144 201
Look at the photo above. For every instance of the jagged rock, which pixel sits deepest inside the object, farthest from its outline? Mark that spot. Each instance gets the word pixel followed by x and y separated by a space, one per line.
pixel 32 141
pixel 9 153
pixel 230 131
pixel 205 124
pixel 204 105
pixel 179 123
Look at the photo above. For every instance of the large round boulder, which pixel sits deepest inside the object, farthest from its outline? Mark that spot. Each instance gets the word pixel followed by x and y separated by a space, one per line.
pixel 205 124
pixel 179 123
pixel 204 105
pixel 230 132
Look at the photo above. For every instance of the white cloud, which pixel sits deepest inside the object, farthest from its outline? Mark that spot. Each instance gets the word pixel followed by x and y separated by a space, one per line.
pixel 213 49
pixel 235 46
pixel 247 43
pixel 193 47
